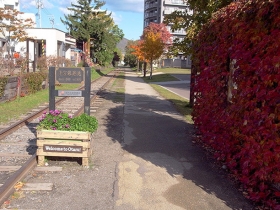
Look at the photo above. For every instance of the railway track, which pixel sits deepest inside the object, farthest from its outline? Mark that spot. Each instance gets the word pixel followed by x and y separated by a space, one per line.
pixel 18 139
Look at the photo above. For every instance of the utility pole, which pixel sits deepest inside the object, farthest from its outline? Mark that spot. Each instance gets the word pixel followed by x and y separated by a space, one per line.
pixel 39 5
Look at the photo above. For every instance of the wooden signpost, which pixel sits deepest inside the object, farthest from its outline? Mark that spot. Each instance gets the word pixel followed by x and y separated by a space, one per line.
pixel 70 75
pixel 66 143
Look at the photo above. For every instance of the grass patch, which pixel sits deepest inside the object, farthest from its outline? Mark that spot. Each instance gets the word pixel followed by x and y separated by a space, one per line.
pixel 181 104
pixel 164 74
pixel 173 71
pixel 159 78
pixel 12 110
pixel 119 87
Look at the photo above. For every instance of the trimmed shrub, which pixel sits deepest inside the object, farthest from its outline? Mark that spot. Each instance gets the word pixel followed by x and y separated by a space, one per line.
pixel 237 94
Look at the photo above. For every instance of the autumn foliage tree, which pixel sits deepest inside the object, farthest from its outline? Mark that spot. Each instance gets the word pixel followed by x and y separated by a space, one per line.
pixel 137 52
pixel 12 29
pixel 152 48
pixel 156 40
pixel 162 32
pixel 12 26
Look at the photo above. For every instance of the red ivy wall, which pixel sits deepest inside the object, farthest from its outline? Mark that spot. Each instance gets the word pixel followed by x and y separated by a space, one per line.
pixel 241 46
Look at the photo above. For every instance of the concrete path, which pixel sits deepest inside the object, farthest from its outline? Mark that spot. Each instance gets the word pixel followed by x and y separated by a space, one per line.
pixel 180 87
pixel 161 167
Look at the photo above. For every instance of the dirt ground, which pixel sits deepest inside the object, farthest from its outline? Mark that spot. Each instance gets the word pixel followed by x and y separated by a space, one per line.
pixel 78 187
pixel 131 169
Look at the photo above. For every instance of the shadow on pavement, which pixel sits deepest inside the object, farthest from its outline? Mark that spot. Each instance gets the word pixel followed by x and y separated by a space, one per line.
pixel 150 128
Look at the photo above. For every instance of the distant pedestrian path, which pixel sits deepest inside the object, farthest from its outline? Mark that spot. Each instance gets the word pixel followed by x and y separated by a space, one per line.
pixel 180 87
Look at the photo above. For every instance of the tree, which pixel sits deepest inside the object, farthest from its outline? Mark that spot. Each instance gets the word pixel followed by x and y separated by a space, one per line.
pixel 116 58
pixel 163 33
pixel 156 40
pixel 130 58
pixel 94 28
pixel 152 48
pixel 12 26
pixel 79 21
pixel 198 12
pixel 106 44
pixel 137 51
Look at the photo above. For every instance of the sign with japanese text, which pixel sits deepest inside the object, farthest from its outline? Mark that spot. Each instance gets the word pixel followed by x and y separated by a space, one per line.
pixel 69 75
pixel 73 93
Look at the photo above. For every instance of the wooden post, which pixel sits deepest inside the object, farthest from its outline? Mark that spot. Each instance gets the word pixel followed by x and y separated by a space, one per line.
pixel 87 90
pixel 27 55
pixel 52 88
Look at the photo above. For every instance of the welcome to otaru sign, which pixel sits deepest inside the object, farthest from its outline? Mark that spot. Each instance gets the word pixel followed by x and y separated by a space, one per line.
pixel 62 148
pixel 70 75
pixel 64 144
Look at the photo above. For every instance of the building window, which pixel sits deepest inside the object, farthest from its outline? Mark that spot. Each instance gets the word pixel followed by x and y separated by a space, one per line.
pixel 7 6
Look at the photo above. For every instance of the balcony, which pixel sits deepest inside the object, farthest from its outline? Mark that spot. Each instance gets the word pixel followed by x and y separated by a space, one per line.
pixel 151 14
pixel 175 2
pixel 169 10
pixel 153 5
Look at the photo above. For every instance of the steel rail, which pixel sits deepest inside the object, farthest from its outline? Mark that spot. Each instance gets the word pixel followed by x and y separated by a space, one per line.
pixel 7 189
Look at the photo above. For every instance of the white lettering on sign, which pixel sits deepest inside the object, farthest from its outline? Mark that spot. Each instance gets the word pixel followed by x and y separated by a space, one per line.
pixel 62 148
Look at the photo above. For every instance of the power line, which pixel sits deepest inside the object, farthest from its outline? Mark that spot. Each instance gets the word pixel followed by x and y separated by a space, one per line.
pixel 45 10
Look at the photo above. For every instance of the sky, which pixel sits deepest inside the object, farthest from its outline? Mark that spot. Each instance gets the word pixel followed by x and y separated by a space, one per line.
pixel 128 14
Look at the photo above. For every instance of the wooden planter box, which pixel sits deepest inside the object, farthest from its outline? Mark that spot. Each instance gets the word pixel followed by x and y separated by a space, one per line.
pixel 64 144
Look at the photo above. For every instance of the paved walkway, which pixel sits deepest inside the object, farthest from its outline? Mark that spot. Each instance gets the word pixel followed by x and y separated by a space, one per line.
pixel 180 87
pixel 161 167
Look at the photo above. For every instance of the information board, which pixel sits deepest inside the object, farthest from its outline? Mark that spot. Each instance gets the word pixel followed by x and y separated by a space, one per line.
pixel 69 75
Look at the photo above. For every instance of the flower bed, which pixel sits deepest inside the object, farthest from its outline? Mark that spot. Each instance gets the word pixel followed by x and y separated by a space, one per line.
pixel 61 135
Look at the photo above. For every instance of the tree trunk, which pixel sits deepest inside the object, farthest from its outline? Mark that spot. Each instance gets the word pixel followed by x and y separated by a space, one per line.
pixel 151 72
pixel 145 69
pixel 138 65
pixel 193 74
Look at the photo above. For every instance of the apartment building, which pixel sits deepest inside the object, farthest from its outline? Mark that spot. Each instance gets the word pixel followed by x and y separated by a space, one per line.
pixel 156 10
pixel 11 4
